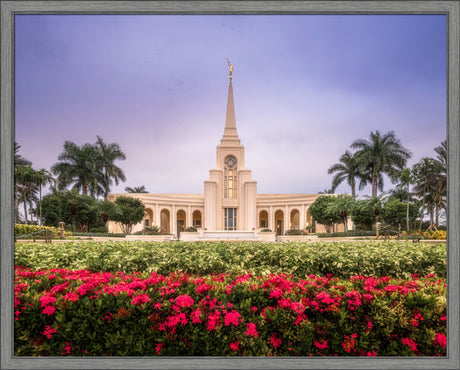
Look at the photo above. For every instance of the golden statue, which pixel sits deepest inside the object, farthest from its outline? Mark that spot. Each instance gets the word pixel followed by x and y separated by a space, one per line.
pixel 231 68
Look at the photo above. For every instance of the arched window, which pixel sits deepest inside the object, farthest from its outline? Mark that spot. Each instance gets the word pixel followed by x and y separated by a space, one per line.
pixel 263 219
pixel 230 184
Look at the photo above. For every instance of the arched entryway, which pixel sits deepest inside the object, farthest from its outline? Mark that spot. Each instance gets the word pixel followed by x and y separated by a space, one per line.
pixel 165 224
pixel 197 222
pixel 148 218
pixel 181 219
pixel 295 216
pixel 263 219
pixel 279 222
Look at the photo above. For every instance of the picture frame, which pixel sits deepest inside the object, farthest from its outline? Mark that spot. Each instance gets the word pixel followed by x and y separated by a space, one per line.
pixel 10 8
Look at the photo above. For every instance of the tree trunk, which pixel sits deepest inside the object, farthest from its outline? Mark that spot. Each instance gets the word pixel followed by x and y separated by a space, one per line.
pixel 374 186
pixel 85 189
pixel 25 210
pixel 16 204
pixel 353 191
pixel 40 221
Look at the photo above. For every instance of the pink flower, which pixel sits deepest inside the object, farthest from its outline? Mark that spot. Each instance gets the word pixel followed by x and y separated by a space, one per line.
pixel 213 320
pixel 48 332
pixel 440 340
pixel 276 293
pixel 48 310
pixel 410 343
pixel 234 346
pixel 232 317
pixel 251 329
pixel 158 347
pixel 321 345
pixel 140 299
pixel 276 342
pixel 71 296
pixel 371 354
pixel 196 315
pixel 443 318
pixel 47 299
pixel 66 350
pixel 184 300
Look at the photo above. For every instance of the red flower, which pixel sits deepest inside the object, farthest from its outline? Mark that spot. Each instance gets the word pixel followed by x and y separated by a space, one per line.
pixel 321 345
pixel 184 300
pixel 276 342
pixel 410 343
pixel 49 310
pixel 251 329
pixel 440 340
pixel 158 347
pixel 232 317
pixel 49 331
pixel 140 299
pixel 234 346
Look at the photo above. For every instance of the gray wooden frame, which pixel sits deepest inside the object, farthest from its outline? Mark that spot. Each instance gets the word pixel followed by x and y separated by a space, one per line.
pixel 9 8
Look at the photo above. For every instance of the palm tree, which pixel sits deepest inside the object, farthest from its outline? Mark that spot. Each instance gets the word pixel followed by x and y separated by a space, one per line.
pixel 79 165
pixel 136 189
pixel 344 206
pixel 442 159
pixel 26 178
pixel 405 179
pixel 382 154
pixel 109 153
pixel 107 209
pixel 348 169
pixel 429 185
pixel 43 177
pixel 19 161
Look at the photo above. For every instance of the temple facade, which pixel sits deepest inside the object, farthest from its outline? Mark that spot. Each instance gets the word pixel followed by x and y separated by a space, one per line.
pixel 230 206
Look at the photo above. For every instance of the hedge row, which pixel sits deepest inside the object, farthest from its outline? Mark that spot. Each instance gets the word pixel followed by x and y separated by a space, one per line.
pixel 80 313
pixel 22 229
pixel 342 259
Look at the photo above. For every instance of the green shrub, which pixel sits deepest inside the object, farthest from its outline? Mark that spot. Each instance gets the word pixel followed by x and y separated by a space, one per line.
pixel 295 232
pixel 100 230
pixel 191 229
pixel 342 259
pixel 23 229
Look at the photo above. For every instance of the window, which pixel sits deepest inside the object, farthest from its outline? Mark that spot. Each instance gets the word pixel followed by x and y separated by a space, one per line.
pixel 230 177
pixel 230 218
pixel 147 222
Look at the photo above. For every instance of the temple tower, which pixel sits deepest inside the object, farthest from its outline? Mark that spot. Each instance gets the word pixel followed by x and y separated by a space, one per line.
pixel 230 194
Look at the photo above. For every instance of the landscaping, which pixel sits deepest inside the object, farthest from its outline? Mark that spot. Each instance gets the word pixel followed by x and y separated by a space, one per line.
pixel 225 299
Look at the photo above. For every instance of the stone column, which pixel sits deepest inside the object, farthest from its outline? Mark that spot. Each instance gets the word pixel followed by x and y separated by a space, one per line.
pixel 287 218
pixel 271 216
pixel 157 215
pixel 189 217
pixel 174 219
pixel 302 217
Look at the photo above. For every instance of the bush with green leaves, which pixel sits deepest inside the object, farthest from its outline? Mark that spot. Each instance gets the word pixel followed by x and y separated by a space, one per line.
pixel 322 214
pixel 129 211
pixel 342 259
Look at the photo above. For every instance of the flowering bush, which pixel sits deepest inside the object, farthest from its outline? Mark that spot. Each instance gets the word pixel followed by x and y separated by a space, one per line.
pixel 438 234
pixel 343 259
pixel 63 312
pixel 22 229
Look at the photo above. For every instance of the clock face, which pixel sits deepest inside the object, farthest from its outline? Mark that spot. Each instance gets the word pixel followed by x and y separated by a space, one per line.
pixel 230 161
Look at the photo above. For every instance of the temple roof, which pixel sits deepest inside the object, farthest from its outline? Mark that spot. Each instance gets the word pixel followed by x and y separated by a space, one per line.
pixel 230 136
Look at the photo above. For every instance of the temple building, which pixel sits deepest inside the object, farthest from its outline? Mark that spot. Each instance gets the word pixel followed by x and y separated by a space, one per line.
pixel 230 207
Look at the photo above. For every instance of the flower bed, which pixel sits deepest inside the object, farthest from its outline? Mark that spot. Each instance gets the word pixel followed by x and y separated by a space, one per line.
pixel 343 259
pixel 62 312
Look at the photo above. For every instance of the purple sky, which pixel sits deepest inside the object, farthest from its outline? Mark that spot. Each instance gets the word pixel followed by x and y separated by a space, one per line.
pixel 305 88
